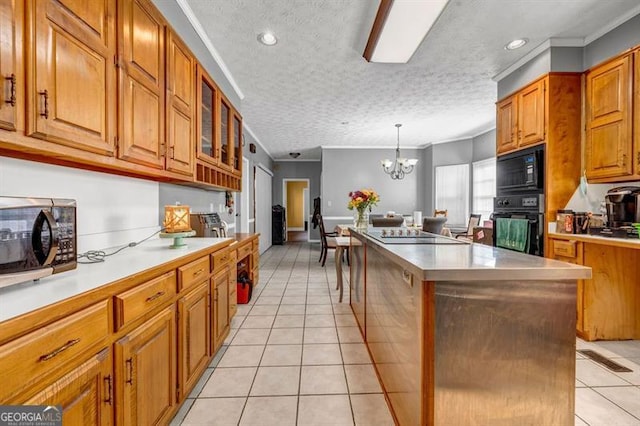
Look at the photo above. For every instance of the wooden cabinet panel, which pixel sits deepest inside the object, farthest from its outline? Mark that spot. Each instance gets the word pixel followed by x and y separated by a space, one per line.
pixel 609 148
pixel 194 337
pixel 357 258
pixel 71 73
pixel 145 372
pixel 636 112
pixel 226 136
pixel 85 394
pixel 237 144
pixel 233 293
pixel 180 106
pixel 208 135
pixel 144 298
pixel 142 79
pixel 506 133
pixel 531 125
pixel 10 70
pixel 612 295
pixel 193 272
pixel 32 357
pixel 220 308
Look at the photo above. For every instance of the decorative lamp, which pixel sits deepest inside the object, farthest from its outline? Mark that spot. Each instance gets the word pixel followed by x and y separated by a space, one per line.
pixel 177 225
pixel 176 219
pixel 401 166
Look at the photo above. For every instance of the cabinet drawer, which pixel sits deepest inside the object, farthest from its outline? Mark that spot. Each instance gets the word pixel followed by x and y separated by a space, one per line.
pixel 193 273
pixel 565 248
pixel 142 299
pixel 220 259
pixel 244 251
pixel 255 243
pixel 30 358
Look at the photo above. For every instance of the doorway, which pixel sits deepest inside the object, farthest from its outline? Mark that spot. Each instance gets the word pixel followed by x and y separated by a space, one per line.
pixel 244 197
pixel 295 199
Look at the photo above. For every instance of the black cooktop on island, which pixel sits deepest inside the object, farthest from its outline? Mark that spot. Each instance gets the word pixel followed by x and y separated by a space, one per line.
pixel 409 236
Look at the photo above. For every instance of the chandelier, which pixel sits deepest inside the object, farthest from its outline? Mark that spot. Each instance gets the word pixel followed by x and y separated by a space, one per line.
pixel 401 166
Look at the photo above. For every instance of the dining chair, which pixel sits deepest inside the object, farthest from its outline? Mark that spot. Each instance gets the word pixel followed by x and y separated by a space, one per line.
pixel 474 220
pixel 326 240
pixel 437 213
pixel 433 225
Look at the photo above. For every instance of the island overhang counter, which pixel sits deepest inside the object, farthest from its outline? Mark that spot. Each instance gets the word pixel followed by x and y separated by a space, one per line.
pixel 466 333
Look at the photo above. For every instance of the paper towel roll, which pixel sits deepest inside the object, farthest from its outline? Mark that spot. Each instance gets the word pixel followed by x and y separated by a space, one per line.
pixel 417 218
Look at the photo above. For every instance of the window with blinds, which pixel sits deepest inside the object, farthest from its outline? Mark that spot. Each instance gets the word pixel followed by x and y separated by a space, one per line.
pixel 452 193
pixel 484 187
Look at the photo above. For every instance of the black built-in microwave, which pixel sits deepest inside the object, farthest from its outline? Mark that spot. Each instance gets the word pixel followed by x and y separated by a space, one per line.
pixel 521 171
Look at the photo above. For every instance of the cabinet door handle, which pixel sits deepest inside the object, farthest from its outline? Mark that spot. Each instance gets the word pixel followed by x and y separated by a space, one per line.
pixel 12 90
pixel 129 363
pixel 61 349
pixel 624 160
pixel 171 150
pixel 198 272
pixel 45 110
pixel 155 296
pixel 107 381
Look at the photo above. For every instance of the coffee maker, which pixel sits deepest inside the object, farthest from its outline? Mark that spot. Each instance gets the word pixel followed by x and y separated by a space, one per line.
pixel 623 206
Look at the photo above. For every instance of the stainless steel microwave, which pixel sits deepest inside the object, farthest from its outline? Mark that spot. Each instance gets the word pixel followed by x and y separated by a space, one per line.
pixel 521 171
pixel 37 238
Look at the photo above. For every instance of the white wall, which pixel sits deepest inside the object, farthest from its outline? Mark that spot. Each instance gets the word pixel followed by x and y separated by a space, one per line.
pixel 111 210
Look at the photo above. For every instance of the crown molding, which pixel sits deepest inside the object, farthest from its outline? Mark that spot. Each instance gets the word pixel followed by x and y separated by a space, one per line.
pixel 253 135
pixel 199 29
pixel 612 25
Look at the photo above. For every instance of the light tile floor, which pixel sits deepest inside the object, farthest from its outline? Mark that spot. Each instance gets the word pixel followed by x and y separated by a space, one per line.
pixel 294 356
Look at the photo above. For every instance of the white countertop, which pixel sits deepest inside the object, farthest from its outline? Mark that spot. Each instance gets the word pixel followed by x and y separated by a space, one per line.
pixel 476 262
pixel 29 296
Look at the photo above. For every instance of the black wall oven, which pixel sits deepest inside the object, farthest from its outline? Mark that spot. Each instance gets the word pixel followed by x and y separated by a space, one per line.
pixel 529 207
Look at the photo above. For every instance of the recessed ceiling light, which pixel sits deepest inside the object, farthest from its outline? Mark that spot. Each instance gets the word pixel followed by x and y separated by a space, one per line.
pixel 516 44
pixel 294 154
pixel 267 38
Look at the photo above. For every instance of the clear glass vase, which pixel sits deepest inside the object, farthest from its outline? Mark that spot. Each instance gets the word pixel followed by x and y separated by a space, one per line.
pixel 361 219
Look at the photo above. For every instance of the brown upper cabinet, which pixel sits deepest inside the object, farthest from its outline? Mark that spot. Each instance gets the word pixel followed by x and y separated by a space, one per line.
pixel 219 137
pixel 180 106
pixel 521 118
pixel 142 83
pixel 237 144
pixel 208 137
pixel 71 81
pixel 10 77
pixel 609 149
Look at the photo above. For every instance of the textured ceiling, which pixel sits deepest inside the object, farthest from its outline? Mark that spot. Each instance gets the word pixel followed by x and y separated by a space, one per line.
pixel 299 92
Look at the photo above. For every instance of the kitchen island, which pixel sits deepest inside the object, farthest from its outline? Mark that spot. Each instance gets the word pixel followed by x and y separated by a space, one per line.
pixel 466 334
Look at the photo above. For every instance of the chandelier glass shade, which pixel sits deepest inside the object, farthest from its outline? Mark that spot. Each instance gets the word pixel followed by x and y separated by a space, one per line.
pixel 401 166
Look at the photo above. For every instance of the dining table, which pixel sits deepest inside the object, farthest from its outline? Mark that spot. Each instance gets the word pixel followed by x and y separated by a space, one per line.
pixel 340 243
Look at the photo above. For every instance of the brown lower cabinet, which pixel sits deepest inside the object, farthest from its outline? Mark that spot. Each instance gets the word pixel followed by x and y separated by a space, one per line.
pixel 85 394
pixel 220 308
pixel 194 336
pixel 608 304
pixel 129 352
pixel 145 374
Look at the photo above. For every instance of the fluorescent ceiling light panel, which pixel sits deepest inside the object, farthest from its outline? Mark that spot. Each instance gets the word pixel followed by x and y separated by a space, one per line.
pixel 406 25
